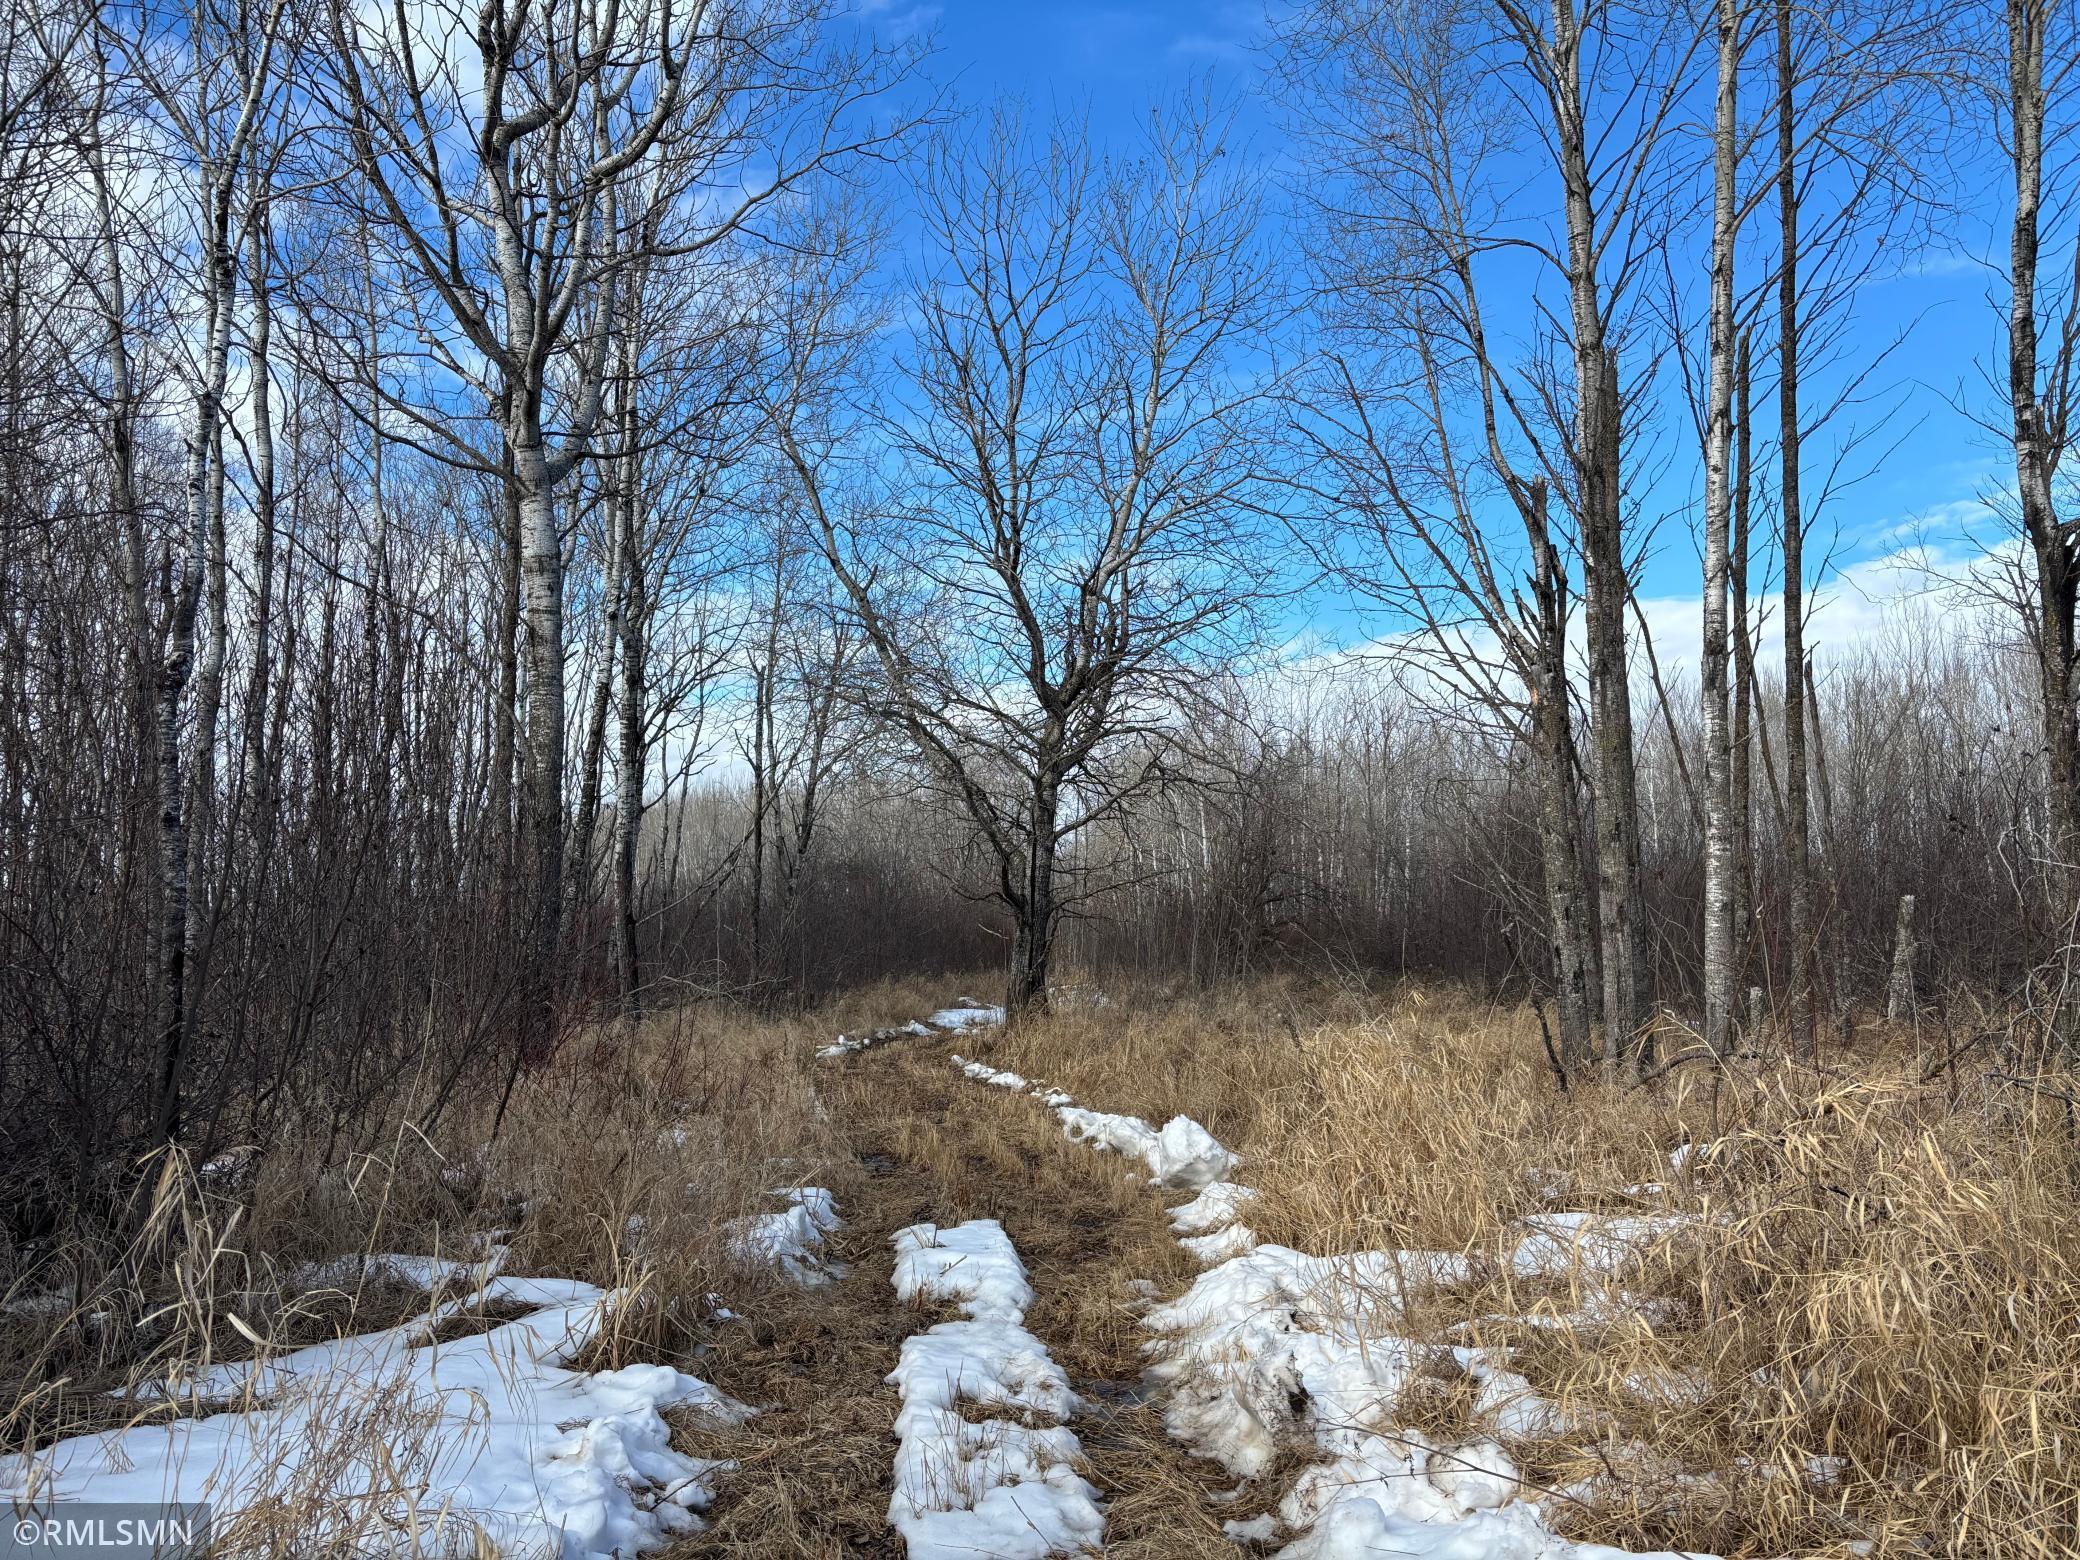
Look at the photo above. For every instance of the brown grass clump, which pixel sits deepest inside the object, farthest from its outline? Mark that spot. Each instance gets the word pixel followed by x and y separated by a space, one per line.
pixel 1865 1331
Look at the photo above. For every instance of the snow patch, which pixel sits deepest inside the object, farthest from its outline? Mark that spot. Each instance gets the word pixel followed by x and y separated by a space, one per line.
pixel 355 1270
pixel 1557 1245
pixel 791 1240
pixel 995 1487
pixel 1183 1154
pixel 966 1013
pixel 844 1045
pixel 972 1264
pixel 426 1446
pixel 1222 1244
pixel 1219 1204
pixel 982 1072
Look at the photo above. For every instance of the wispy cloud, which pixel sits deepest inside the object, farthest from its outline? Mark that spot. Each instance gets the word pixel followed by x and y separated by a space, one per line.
pixel 901 19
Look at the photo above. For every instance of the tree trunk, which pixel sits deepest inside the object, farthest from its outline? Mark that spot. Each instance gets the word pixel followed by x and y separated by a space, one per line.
pixel 1033 947
pixel 1559 813
pixel 629 760
pixel 177 667
pixel 1742 775
pixel 1597 459
pixel 507 637
pixel 1622 933
pixel 1560 847
pixel 593 757
pixel 2056 568
pixel 258 779
pixel 1797 829
pixel 764 753
pixel 1830 855
pixel 1899 998
pixel 122 436
pixel 1719 864
pixel 541 577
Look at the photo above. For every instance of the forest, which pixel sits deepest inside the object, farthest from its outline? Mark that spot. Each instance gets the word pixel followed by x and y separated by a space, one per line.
pixel 1472 601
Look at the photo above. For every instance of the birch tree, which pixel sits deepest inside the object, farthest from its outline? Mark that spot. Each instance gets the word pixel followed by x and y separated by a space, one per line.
pixel 1720 866
pixel 514 164
pixel 1581 102
pixel 212 88
pixel 1407 474
pixel 2043 384
pixel 1856 124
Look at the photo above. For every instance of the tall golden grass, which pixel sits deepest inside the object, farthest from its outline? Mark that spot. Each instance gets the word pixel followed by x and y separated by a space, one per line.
pixel 1863 1339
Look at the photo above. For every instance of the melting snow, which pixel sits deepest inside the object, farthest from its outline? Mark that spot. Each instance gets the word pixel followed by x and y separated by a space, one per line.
pixel 996 1487
pixel 1272 1343
pixel 1184 1154
pixel 1557 1244
pixel 488 1434
pixel 966 1013
pixel 982 1072
pixel 791 1240
pixel 349 1272
pixel 1222 1244
pixel 1219 1204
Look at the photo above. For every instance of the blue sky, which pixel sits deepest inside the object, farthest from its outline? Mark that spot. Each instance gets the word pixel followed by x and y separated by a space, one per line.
pixel 1113 60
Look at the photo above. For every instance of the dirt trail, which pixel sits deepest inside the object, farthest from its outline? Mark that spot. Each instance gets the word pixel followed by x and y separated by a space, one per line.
pixel 814 1474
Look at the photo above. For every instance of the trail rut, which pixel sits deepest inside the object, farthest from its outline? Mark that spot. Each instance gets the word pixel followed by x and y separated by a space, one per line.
pixel 813 1475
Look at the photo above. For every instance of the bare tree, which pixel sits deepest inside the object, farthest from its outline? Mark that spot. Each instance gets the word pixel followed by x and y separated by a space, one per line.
pixel 1069 548
pixel 212 86
pixel 2044 410
pixel 1720 866
pixel 596 141
pixel 1609 77
pixel 1403 496
pixel 1854 119
pixel 1431 111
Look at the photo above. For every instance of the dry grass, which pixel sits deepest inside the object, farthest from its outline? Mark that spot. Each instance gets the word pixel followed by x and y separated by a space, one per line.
pixel 1865 1332
pixel 1868 1332
pixel 619 1163
pixel 1087 1229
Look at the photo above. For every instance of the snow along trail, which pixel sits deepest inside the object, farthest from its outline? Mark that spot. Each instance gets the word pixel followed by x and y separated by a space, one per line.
pixel 1271 1341
pixel 966 1013
pixel 488 1434
pixel 1182 1155
pixel 999 1487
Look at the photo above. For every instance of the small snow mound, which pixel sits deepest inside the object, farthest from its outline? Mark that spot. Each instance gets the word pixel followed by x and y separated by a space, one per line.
pixel 1478 1477
pixel 1231 1241
pixel 1183 1155
pixel 1128 1135
pixel 995 1487
pixel 791 1240
pixel 1553 1245
pixel 1218 1204
pixel 481 1442
pixel 982 1072
pixel 354 1270
pixel 1189 1156
pixel 966 1013
pixel 972 1264
pixel 845 1045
